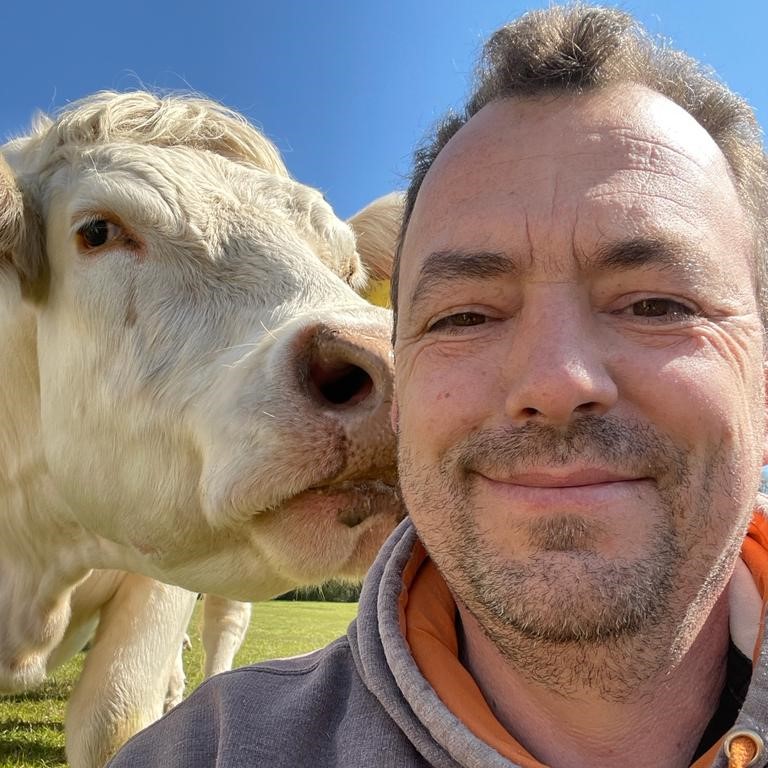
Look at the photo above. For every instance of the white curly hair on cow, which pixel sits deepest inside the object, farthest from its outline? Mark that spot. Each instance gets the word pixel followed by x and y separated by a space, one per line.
pixel 195 393
pixel 142 118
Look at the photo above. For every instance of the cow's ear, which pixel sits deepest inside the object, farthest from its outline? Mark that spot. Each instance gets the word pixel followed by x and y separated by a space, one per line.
pixel 11 212
pixel 30 257
pixel 21 236
pixel 377 228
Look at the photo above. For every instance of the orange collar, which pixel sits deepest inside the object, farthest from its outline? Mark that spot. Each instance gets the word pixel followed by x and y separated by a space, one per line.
pixel 428 622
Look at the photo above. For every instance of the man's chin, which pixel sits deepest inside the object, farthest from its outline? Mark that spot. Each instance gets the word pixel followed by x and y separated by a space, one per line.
pixel 566 597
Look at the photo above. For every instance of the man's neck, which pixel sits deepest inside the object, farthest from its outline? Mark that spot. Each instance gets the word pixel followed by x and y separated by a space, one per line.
pixel 658 722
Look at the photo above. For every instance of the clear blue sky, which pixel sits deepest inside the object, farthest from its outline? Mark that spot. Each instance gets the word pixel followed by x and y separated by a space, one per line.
pixel 345 89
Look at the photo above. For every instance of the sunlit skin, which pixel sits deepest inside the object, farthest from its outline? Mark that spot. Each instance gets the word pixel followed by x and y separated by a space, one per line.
pixel 580 407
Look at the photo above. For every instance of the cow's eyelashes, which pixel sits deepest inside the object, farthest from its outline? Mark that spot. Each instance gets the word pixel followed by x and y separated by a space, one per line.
pixel 97 233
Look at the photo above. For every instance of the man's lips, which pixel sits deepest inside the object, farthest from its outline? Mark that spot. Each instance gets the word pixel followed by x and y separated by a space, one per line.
pixel 578 489
pixel 565 479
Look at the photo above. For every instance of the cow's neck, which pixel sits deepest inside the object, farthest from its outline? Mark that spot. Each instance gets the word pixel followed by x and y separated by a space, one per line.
pixel 44 552
pixel 29 502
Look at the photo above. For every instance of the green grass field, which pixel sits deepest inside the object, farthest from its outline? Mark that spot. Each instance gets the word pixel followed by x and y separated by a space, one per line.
pixel 31 726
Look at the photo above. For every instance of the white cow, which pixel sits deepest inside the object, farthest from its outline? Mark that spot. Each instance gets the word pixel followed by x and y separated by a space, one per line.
pixel 193 392
pixel 225 622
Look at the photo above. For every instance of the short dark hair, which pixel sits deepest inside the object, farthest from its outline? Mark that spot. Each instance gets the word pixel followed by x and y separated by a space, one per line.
pixel 580 48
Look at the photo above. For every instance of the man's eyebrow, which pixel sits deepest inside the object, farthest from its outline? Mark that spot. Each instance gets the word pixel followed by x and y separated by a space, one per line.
pixel 446 266
pixel 673 255
pixel 443 267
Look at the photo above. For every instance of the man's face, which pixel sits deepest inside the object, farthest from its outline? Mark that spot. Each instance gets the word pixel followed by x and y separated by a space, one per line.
pixel 579 367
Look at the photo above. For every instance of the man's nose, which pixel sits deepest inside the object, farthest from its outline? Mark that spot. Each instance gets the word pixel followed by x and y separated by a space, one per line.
pixel 557 367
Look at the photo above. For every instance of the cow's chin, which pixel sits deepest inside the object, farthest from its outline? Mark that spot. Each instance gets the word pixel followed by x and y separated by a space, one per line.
pixel 347 504
pixel 332 531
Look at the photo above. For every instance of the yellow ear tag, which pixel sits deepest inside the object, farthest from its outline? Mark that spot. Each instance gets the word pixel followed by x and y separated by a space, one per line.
pixel 377 293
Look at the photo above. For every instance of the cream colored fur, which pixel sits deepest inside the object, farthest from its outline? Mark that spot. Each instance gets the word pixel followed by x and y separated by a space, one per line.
pixel 163 427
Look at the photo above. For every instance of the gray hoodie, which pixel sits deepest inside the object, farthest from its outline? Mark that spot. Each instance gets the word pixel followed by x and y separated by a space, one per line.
pixel 361 701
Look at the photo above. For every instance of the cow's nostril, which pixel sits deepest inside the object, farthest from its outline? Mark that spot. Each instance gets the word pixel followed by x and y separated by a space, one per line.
pixel 339 383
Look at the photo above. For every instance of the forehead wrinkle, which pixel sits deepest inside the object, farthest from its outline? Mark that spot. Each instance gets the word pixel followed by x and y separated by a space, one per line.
pixel 443 267
pixel 662 151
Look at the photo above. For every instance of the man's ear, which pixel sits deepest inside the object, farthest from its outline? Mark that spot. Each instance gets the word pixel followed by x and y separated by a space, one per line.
pixel 377 228
pixel 21 236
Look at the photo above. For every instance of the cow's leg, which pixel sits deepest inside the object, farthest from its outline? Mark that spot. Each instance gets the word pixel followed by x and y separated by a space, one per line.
pixel 177 681
pixel 126 673
pixel 225 623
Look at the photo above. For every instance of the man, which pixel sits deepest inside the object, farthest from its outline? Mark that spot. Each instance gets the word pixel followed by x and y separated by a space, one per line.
pixel 580 402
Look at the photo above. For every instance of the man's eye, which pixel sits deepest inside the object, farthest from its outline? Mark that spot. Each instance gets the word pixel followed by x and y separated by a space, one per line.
pixel 663 308
pixel 96 233
pixel 459 320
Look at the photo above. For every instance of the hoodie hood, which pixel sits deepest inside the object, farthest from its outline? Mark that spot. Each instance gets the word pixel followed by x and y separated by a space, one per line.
pixel 385 663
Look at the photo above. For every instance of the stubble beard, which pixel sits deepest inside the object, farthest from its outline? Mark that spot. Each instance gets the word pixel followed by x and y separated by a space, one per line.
pixel 608 624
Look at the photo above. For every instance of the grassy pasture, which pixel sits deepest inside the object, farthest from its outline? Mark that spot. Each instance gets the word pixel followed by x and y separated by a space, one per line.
pixel 32 725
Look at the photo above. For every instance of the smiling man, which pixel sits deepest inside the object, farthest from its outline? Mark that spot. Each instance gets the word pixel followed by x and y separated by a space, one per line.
pixel 581 413
pixel 580 403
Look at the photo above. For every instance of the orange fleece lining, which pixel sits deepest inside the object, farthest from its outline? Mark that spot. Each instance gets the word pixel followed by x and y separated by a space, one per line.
pixel 428 618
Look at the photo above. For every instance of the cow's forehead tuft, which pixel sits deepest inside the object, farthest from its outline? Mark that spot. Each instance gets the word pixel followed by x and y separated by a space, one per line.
pixel 143 118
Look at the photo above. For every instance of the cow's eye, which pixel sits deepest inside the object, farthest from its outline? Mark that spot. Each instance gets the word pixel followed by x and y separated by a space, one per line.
pixel 98 232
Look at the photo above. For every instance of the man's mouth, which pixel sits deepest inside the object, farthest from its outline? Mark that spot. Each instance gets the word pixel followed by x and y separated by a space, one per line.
pixel 578 489
pixel 567 478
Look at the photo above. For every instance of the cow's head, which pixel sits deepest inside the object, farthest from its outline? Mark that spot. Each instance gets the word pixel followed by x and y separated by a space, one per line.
pixel 214 392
